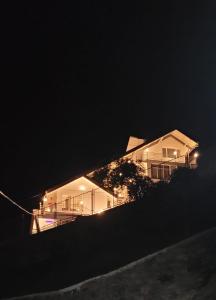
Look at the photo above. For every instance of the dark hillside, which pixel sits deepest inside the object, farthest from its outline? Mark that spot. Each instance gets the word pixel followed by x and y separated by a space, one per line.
pixel 184 271
pixel 95 245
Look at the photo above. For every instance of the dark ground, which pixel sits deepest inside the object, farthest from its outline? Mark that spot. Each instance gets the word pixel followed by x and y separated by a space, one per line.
pixel 98 244
pixel 186 271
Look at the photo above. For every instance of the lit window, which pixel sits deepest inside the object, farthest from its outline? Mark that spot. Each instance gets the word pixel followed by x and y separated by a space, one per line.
pixel 171 153
pixel 162 172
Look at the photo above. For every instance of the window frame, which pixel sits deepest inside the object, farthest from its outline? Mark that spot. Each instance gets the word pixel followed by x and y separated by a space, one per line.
pixel 160 171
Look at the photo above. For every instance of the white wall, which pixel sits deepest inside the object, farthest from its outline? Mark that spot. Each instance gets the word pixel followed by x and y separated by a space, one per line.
pixel 79 199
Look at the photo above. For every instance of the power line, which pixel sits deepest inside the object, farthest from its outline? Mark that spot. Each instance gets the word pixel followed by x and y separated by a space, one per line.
pixel 16 204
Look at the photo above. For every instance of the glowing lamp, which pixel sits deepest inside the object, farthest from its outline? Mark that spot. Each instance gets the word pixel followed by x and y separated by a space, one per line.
pixel 82 188
pixel 196 154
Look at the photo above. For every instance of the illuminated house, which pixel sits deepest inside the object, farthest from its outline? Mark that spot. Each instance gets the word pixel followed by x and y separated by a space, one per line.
pixel 82 196
pixel 62 204
pixel 161 156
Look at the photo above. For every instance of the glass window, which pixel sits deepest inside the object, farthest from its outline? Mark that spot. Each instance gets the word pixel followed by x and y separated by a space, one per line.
pixel 164 152
pixel 154 171
pixel 166 174
pixel 170 152
pixel 161 172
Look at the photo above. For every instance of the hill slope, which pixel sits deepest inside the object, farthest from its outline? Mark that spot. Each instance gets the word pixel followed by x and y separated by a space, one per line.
pixel 184 271
pixel 99 244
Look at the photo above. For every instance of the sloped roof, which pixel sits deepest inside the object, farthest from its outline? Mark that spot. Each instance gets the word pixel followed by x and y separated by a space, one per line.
pixel 93 182
pixel 134 142
pixel 175 133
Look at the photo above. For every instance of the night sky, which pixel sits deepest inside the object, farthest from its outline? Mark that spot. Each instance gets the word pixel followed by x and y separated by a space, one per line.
pixel 79 77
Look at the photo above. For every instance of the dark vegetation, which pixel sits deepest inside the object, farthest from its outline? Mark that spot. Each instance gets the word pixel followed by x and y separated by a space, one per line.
pixel 185 271
pixel 124 174
pixel 100 243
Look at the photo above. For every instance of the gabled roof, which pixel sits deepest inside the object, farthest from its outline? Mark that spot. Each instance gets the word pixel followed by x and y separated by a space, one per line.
pixel 93 182
pixel 134 142
pixel 175 133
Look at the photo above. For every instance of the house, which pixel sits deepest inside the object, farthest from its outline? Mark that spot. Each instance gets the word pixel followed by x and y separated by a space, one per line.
pixel 161 156
pixel 83 196
pixel 63 203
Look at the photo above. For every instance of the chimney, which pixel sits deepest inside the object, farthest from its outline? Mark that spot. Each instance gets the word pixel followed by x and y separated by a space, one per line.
pixel 133 142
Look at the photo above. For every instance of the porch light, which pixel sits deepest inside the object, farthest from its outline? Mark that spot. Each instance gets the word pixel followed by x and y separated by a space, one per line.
pixel 82 188
pixel 196 154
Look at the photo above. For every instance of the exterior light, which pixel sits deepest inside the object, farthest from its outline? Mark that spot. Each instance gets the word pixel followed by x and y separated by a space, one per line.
pixel 119 195
pixel 130 180
pixel 81 202
pixel 45 198
pixel 82 188
pixel 196 154
pixel 48 209
pixel 120 174
pixel 147 150
pixel 129 161
pixel 115 189
pixel 175 152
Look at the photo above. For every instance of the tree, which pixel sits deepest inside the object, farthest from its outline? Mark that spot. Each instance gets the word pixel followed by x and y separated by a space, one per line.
pixel 101 176
pixel 140 187
pixel 125 174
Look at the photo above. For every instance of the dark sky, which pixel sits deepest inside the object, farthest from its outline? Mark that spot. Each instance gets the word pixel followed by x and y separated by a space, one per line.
pixel 79 77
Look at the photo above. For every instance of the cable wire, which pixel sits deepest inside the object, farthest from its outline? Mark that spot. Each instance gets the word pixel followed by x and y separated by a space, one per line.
pixel 16 204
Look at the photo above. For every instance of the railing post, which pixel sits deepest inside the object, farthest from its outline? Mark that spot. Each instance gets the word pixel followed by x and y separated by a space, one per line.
pixel 55 213
pixel 73 204
pixel 37 223
pixel 92 201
